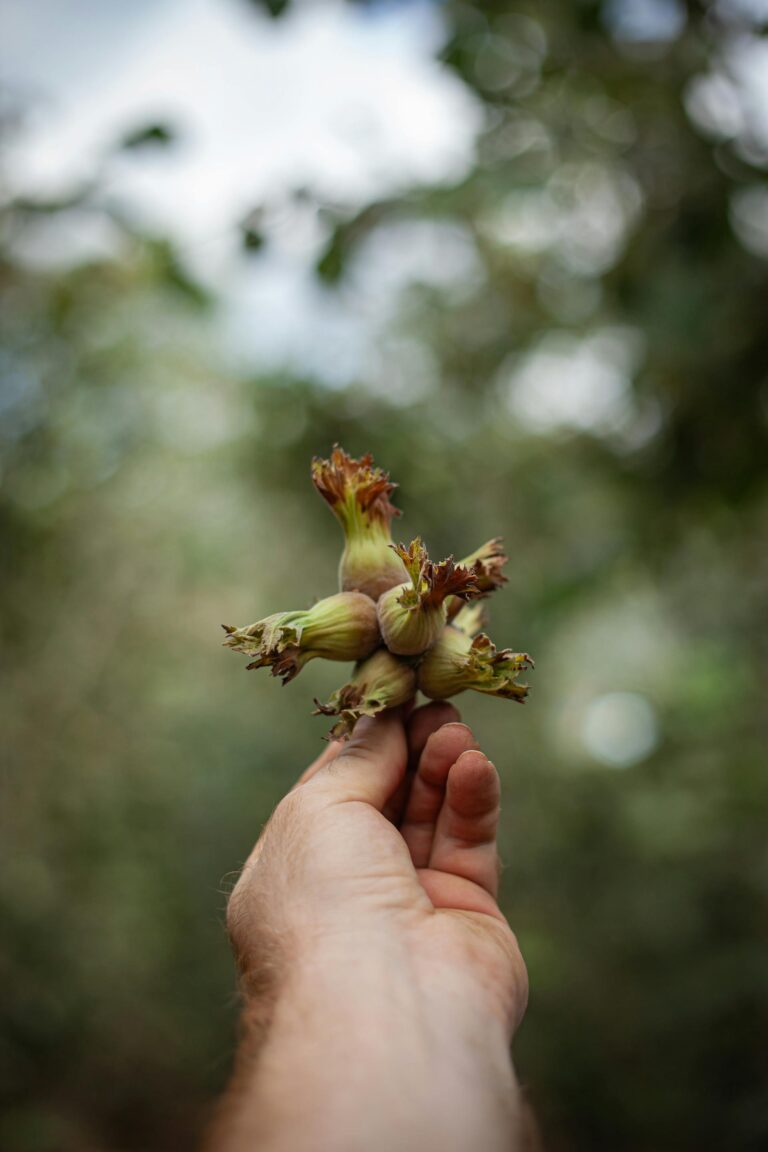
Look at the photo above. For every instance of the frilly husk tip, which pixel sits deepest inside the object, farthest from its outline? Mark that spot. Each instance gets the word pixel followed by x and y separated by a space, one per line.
pixel 342 478
pixel 432 583
pixel 348 703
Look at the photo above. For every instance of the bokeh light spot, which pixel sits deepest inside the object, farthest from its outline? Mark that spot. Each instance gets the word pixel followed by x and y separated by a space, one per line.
pixel 620 728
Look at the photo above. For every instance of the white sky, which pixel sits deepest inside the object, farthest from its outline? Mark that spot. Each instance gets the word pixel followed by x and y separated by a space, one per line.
pixel 351 104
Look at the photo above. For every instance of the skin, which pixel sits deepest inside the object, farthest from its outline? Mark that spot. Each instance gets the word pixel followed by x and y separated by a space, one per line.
pixel 382 985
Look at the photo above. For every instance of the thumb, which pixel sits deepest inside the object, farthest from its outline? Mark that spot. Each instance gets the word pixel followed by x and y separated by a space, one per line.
pixel 369 766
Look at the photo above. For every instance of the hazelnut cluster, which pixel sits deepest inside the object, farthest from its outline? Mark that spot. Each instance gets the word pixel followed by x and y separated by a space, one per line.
pixel 409 623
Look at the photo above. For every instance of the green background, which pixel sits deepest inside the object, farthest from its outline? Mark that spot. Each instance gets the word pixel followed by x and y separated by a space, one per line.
pixel 140 760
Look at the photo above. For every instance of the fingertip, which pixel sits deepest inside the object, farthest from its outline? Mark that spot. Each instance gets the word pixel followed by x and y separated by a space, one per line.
pixel 425 720
pixel 475 760
pixel 442 749
pixel 473 785
pixel 360 731
pixel 373 729
pixel 460 726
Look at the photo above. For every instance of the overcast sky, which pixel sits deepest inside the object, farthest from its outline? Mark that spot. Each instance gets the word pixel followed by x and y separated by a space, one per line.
pixel 348 102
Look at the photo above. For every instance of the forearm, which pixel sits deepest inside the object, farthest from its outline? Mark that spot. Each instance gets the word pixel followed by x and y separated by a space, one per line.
pixel 361 1053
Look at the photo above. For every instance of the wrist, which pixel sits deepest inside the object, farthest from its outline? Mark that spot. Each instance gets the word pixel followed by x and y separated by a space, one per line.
pixel 374 1042
pixel 373 976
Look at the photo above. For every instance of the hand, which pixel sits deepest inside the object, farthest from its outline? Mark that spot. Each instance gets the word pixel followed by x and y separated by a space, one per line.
pixel 367 911
pixel 360 849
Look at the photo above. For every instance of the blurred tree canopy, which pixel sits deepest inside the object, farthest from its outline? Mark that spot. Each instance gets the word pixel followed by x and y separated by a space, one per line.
pixel 587 374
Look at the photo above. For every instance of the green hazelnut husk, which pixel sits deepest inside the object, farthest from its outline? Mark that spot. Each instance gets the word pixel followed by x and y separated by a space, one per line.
pixel 459 662
pixel 380 682
pixel 412 615
pixel 340 627
pixel 358 494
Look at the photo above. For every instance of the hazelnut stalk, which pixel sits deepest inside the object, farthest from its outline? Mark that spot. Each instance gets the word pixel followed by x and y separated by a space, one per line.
pixel 341 627
pixel 458 662
pixel 358 495
pixel 382 681
pixel 412 615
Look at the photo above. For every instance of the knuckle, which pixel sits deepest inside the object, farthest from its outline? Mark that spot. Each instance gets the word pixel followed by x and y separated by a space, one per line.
pixel 519 977
pixel 289 811
pixel 275 845
pixel 240 905
pixel 247 923
pixel 237 913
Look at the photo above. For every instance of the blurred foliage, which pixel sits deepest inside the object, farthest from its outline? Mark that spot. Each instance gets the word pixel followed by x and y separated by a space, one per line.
pixel 149 136
pixel 148 494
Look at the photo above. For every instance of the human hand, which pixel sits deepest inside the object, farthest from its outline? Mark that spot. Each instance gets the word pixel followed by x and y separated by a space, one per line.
pixel 360 850
pixel 366 930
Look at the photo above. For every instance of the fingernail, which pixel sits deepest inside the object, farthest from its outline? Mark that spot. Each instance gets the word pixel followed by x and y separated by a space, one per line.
pixel 473 752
